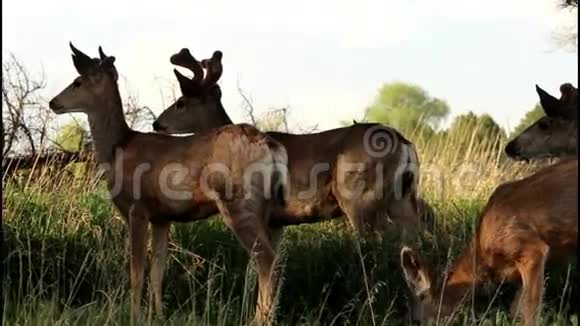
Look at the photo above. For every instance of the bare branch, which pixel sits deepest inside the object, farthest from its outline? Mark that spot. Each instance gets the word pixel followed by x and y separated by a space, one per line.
pixel 566 36
pixel 25 117
pixel 135 113
pixel 569 4
pixel 248 107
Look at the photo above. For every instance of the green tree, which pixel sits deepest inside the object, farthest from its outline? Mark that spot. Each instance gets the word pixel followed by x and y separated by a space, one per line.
pixel 407 107
pixel 484 125
pixel 72 137
pixel 470 132
pixel 532 116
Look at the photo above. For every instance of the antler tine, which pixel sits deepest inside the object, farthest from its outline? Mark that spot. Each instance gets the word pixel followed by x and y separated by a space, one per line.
pixel 567 88
pixel 102 54
pixel 184 59
pixel 214 68
pixel 569 94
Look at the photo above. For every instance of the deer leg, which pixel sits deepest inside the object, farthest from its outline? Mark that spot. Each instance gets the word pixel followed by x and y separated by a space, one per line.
pixel 345 189
pixel 159 242
pixel 354 216
pixel 245 220
pixel 364 218
pixel 515 307
pixel 377 218
pixel 276 235
pixel 531 267
pixel 277 265
pixel 138 236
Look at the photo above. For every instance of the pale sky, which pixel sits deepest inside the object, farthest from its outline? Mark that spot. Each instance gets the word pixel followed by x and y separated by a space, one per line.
pixel 324 60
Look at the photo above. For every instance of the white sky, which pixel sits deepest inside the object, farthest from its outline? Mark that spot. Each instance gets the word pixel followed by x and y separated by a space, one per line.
pixel 323 59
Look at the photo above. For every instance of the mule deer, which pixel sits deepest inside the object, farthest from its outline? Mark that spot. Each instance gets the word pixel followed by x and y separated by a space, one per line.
pixel 368 172
pixel 159 179
pixel 524 223
pixel 554 135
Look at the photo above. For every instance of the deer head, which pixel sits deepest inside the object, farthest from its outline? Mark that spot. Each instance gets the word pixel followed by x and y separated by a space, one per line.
pixel 553 135
pixel 199 108
pixel 97 79
pixel 430 298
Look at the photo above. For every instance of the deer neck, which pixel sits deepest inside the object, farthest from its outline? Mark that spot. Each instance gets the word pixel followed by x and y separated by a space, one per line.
pixel 568 147
pixel 461 277
pixel 572 148
pixel 218 118
pixel 108 126
pixel 221 117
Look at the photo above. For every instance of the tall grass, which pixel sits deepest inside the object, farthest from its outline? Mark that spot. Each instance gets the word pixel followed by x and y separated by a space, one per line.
pixel 65 255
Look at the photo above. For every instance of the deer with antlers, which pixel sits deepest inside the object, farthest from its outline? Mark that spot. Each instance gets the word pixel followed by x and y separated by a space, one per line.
pixel 555 134
pixel 368 172
pixel 159 179
pixel 524 224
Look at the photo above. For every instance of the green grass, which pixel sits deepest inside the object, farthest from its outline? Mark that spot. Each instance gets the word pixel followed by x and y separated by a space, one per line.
pixel 66 258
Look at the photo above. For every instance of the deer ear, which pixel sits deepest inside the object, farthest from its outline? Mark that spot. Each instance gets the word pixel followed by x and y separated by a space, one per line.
pixel 82 62
pixel 187 86
pixel 549 103
pixel 415 275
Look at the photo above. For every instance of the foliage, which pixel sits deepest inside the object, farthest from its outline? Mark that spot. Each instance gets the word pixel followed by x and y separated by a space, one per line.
pixel 484 125
pixel 483 129
pixel 405 107
pixel 531 116
pixel 569 3
pixel 566 35
pixel 66 257
pixel 72 137
pixel 272 120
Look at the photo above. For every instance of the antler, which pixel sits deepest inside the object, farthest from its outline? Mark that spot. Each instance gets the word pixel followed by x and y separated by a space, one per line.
pixel 569 92
pixel 102 54
pixel 214 68
pixel 186 60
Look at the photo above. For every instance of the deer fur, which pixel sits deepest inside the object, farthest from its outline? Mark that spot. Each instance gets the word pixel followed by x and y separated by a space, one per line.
pixel 325 168
pixel 555 134
pixel 158 179
pixel 525 223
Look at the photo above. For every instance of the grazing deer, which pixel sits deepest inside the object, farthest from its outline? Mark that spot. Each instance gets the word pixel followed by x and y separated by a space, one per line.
pixel 524 223
pixel 554 135
pixel 368 172
pixel 158 179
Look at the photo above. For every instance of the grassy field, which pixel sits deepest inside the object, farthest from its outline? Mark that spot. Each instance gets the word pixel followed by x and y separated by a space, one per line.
pixel 66 264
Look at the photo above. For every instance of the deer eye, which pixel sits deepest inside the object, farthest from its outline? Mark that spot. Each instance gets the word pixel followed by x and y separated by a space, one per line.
pixel 77 83
pixel 543 125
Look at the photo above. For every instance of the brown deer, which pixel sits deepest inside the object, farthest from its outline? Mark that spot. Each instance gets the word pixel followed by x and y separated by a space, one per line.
pixel 554 135
pixel 158 179
pixel 368 172
pixel 525 223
